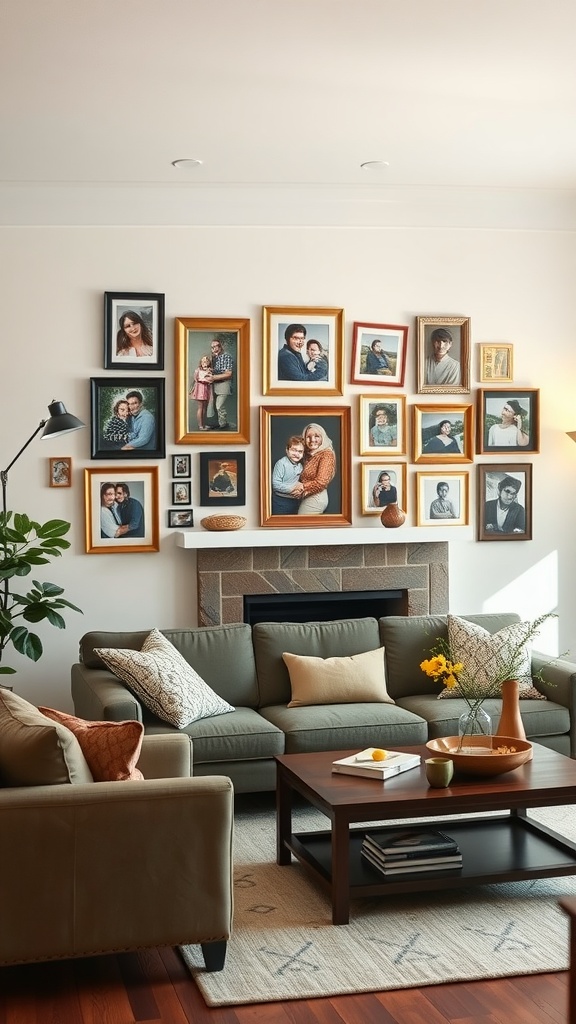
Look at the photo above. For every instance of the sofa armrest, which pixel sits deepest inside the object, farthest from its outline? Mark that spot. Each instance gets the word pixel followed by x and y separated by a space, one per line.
pixel 124 865
pixel 166 756
pixel 558 683
pixel 99 695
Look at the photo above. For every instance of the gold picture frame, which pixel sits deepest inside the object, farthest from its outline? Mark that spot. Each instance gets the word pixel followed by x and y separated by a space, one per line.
pixel 443 433
pixel 105 533
pixel 283 428
pixel 303 350
pixel 220 412
pixel 382 429
pixel 379 354
pixel 496 363
pixel 450 375
pixel 377 492
pixel 443 498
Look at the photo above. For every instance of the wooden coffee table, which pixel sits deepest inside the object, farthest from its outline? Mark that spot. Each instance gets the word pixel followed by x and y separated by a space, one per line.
pixel 499 848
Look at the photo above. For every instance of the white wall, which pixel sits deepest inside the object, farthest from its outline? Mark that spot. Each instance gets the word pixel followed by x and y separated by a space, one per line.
pixel 516 286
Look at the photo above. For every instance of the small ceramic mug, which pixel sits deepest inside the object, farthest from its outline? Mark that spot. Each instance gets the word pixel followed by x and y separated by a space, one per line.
pixel 439 771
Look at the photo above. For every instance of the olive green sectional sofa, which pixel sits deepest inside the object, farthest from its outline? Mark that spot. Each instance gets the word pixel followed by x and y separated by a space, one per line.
pixel 244 665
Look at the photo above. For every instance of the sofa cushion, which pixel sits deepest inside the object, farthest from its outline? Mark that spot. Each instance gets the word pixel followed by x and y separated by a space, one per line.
pixel 34 750
pixel 111 749
pixel 346 726
pixel 486 655
pixel 337 680
pixel 164 681
pixel 540 719
pixel 271 640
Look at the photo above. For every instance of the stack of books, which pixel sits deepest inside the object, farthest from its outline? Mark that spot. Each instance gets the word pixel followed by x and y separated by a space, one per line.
pixel 364 764
pixel 398 853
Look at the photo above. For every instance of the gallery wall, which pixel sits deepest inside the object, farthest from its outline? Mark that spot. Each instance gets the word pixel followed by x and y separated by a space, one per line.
pixel 516 287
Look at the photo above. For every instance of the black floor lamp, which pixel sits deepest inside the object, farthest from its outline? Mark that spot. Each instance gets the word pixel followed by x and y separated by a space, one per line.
pixel 58 422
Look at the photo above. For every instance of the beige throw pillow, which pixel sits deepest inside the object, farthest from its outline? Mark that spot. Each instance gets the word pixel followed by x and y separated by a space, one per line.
pixel 35 751
pixel 357 679
pixel 164 681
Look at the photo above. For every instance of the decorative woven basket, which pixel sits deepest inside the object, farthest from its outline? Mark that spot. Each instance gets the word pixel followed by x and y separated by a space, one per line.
pixel 223 522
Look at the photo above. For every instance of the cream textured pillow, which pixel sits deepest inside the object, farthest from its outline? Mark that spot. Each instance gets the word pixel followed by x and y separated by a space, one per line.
pixel 164 681
pixel 34 750
pixel 357 679
pixel 485 654
pixel 111 749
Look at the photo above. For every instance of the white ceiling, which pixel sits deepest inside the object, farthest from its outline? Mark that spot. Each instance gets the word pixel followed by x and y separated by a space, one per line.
pixel 471 102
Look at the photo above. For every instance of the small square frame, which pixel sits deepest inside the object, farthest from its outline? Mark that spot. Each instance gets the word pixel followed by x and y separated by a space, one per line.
pixel 107 439
pixel 428 431
pixel 182 492
pixel 371 486
pixel 449 509
pixel 180 519
pixel 496 362
pixel 181 465
pixel 60 472
pixel 394 429
pixel 322 324
pixel 392 340
pixel 458 327
pixel 491 483
pixel 222 478
pixel 143 484
pixel 493 424
pixel 148 309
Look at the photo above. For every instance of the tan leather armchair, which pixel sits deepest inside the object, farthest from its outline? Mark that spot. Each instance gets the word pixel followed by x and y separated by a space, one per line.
pixel 112 866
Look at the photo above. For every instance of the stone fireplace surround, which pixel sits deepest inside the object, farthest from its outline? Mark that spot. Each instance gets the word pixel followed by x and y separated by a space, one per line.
pixel 226 574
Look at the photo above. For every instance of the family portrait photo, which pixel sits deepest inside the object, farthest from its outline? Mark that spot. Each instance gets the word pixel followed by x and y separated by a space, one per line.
pixel 121 510
pixel 383 485
pixel 379 354
pixel 305 466
pixel 303 350
pixel 127 418
pixel 508 421
pixel 382 424
pixel 442 499
pixel 443 354
pixel 134 331
pixel 443 433
pixel 212 380
pixel 505 502
pixel 222 478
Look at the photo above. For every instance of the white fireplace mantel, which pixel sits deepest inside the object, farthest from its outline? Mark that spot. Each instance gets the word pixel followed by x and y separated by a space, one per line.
pixel 321 536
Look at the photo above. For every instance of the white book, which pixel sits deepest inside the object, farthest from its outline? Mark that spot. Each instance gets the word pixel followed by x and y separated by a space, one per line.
pixel 363 764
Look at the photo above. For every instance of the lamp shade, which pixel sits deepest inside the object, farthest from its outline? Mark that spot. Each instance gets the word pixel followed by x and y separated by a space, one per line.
pixel 572 434
pixel 60 421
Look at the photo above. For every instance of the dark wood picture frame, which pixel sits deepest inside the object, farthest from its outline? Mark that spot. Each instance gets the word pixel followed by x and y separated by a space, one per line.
pixel 133 342
pixel 222 478
pixel 182 492
pixel 138 435
pixel 505 501
pixel 508 421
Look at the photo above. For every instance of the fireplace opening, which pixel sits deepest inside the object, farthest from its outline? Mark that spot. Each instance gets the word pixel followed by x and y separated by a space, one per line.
pixel 322 607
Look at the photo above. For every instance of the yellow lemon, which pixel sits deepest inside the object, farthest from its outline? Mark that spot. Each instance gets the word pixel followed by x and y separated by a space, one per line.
pixel 379 755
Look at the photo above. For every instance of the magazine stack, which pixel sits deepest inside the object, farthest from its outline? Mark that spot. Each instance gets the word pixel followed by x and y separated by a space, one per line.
pixel 398 853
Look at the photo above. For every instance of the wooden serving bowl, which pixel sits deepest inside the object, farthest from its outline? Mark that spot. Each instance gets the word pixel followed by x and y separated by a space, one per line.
pixel 512 753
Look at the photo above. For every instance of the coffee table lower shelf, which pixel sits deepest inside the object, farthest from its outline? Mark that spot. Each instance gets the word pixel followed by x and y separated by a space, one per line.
pixel 496 849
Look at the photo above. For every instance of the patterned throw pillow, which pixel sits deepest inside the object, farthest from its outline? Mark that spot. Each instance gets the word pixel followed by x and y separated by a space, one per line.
pixel 485 654
pixel 111 749
pixel 164 681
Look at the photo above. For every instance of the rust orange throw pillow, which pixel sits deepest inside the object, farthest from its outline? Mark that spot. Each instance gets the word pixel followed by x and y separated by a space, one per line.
pixel 111 749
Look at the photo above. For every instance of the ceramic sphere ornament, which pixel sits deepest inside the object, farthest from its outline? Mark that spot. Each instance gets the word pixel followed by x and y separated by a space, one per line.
pixel 392 515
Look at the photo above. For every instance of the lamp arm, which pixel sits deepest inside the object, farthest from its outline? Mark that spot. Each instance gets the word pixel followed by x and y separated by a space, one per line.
pixel 4 483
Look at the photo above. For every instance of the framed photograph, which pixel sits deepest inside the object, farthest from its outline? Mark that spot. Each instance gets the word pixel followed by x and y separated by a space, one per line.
pixel 181 465
pixel 180 518
pixel 496 363
pixel 121 510
pixel 60 472
pixel 505 501
pixel 508 421
pixel 303 350
pixel 127 418
pixel 182 492
pixel 382 425
pixel 134 331
pixel 442 499
pixel 382 484
pixel 379 354
pixel 222 478
pixel 212 380
pixel 305 466
pixel 443 354
pixel 443 433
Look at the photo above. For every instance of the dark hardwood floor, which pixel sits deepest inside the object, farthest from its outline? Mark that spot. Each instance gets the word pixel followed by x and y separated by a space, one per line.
pixel 155 987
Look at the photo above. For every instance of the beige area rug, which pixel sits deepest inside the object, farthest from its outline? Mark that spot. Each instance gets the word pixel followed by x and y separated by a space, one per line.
pixel 285 947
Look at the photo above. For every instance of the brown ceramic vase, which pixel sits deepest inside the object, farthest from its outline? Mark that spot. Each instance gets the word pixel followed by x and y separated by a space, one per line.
pixel 392 515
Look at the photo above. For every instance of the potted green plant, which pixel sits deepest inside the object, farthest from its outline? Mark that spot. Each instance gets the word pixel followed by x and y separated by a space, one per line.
pixel 24 544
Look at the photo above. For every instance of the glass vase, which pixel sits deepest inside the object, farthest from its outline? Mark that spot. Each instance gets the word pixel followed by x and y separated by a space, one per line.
pixel 474 725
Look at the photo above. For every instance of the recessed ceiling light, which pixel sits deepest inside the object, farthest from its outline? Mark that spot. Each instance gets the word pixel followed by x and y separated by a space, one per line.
pixel 374 165
pixel 186 163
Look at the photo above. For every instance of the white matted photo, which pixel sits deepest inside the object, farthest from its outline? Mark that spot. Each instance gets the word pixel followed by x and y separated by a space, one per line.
pixel 442 499
pixel 382 485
